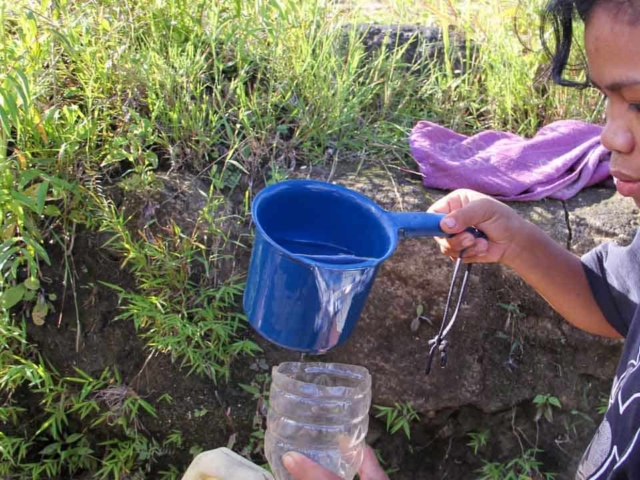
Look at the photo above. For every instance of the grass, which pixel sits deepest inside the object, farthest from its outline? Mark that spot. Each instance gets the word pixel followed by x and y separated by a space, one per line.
pixel 523 467
pixel 398 417
pixel 103 96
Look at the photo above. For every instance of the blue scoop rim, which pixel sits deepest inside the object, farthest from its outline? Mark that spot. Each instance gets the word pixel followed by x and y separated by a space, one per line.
pixel 384 215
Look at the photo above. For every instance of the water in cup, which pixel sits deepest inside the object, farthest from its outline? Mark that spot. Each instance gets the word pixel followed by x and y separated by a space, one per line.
pixel 321 252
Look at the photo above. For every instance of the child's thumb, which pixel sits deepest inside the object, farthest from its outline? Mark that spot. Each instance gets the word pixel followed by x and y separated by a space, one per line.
pixel 371 469
pixel 471 215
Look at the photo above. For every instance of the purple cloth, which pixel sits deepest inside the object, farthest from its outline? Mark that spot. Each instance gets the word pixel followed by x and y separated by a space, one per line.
pixel 560 160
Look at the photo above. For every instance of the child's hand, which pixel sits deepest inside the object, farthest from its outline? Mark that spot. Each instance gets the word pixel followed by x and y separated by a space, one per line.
pixel 502 226
pixel 301 468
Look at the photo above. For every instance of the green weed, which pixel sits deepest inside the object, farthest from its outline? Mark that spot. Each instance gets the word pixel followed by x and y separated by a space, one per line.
pixel 545 405
pixel 398 417
pixel 524 467
pixel 259 389
pixel 61 433
pixel 178 307
pixel 477 440
pixel 603 405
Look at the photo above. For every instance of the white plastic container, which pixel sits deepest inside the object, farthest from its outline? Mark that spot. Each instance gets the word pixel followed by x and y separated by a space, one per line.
pixel 320 410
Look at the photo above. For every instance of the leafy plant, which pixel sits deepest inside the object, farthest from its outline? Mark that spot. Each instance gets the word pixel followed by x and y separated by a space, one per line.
pixel 175 310
pixel 71 407
pixel 398 417
pixel 27 194
pixel 259 389
pixel 415 323
pixel 477 440
pixel 524 467
pixel 604 405
pixel 544 406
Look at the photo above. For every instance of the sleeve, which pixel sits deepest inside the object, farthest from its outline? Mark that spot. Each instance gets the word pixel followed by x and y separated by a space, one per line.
pixel 613 273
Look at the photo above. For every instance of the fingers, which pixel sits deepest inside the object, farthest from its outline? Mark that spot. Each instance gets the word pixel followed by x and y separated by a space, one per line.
pixel 371 469
pixel 464 242
pixel 303 468
pixel 472 214
pixel 448 203
pixel 465 208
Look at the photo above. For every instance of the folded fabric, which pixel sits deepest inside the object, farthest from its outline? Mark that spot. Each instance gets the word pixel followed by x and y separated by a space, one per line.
pixel 559 161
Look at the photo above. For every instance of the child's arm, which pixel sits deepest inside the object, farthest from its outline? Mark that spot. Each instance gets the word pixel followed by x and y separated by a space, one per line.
pixel 550 269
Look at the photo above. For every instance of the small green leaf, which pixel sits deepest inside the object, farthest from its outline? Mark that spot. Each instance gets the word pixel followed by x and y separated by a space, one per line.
pixel 555 402
pixel 11 106
pixel 4 122
pixel 74 437
pixel 420 310
pixel 51 448
pixel 23 91
pixel 29 295
pixel 407 432
pixel 58 182
pixel 12 296
pixel 41 196
pixel 32 283
pixel 539 399
pixel 147 406
pixel 24 199
pixel 83 374
pixel 165 397
pixel 37 248
pixel 51 211
pixel 251 389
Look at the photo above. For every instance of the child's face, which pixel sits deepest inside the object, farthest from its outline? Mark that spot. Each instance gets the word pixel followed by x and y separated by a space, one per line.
pixel 613 54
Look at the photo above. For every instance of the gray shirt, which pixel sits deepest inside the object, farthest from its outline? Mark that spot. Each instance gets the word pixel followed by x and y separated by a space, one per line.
pixel 614 276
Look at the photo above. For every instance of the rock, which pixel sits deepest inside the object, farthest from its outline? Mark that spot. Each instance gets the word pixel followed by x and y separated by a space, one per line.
pixel 421 46
pixel 598 215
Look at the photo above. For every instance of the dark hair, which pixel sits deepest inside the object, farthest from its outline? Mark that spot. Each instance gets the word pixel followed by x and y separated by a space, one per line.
pixel 559 15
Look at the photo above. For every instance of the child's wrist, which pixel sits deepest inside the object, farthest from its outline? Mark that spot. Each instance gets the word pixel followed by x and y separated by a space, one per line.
pixel 522 246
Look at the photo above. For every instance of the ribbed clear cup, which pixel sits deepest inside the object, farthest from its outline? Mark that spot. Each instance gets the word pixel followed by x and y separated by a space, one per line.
pixel 320 410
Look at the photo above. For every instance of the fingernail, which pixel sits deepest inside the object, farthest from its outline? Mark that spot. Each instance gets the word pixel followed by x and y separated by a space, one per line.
pixel 450 222
pixel 482 247
pixel 289 461
pixel 468 242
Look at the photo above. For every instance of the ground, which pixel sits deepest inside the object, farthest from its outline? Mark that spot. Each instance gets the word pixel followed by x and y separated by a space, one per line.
pixel 210 415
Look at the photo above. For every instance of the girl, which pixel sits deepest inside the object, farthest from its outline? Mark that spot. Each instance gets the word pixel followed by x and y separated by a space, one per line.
pixel 600 292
